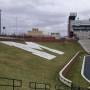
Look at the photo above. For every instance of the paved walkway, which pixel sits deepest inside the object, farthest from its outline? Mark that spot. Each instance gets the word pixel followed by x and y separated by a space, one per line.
pixel 87 67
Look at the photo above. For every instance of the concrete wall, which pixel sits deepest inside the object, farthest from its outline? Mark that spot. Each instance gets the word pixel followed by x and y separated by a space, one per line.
pixel 66 68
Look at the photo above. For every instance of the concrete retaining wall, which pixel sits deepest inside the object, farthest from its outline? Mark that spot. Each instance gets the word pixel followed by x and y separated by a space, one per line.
pixel 66 68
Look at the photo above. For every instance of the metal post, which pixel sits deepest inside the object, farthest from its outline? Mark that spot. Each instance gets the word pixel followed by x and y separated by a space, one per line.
pixel 13 84
pixel 0 21
pixel 35 86
pixel 16 26
pixel 45 86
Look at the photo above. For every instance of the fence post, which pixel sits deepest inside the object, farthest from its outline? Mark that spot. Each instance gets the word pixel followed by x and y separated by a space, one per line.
pixel 35 86
pixel 71 86
pixel 45 86
pixel 79 88
pixel 13 84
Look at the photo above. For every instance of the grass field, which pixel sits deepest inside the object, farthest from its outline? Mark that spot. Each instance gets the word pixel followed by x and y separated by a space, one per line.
pixel 19 64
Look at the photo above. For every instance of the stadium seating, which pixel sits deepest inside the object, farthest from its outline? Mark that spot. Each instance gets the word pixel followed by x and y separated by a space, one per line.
pixel 85 43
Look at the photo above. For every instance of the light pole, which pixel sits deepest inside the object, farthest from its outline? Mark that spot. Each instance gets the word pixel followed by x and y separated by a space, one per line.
pixel 0 21
pixel 16 26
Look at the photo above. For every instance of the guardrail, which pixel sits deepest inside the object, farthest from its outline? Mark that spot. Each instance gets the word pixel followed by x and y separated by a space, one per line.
pixel 66 69
pixel 9 83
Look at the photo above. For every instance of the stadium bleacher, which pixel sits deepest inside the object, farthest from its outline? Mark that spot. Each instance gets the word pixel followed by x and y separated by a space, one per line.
pixel 85 43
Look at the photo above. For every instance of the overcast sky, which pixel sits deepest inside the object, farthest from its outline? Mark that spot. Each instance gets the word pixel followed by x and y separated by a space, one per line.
pixel 48 15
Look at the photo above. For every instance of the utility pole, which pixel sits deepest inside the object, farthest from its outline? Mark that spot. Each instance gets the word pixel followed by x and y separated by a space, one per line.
pixel 0 21
pixel 16 26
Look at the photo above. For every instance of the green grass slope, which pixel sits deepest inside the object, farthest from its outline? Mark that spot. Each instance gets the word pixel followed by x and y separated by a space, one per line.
pixel 19 64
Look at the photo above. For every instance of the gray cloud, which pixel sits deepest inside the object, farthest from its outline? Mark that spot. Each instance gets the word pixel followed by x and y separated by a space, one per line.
pixel 48 15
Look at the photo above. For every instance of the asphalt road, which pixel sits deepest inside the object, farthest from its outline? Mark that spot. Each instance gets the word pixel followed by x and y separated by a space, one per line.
pixel 87 67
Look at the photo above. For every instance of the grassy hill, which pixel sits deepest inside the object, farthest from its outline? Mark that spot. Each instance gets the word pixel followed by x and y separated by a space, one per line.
pixel 19 64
